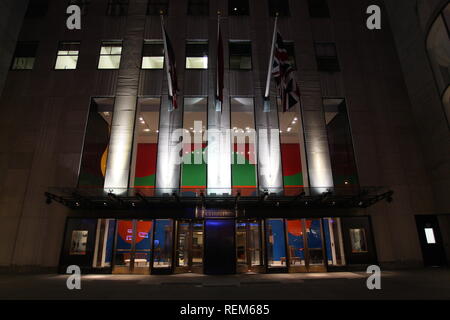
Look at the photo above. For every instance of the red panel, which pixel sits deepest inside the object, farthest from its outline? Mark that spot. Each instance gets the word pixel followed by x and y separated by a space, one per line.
pixel 291 160
pixel 146 159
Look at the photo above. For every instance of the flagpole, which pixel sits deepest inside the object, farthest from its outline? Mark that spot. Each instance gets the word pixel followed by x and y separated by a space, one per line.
pixel 269 69
pixel 218 102
pixel 166 60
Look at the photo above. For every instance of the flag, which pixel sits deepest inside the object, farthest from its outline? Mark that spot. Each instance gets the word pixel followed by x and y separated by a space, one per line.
pixel 220 68
pixel 283 73
pixel 169 57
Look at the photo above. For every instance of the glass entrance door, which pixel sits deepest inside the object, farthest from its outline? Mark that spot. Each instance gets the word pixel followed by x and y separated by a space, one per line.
pixel 133 246
pixel 249 251
pixel 305 245
pixel 189 247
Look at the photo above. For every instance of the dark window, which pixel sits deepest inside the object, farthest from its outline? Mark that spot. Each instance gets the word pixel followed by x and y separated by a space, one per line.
pixel 155 7
pixel 326 57
pixel 117 8
pixel 240 55
pixel 153 54
pixel 37 8
pixel 198 7
pixel 197 55
pixel 289 46
pixel 83 4
pixel 318 9
pixel 24 56
pixel 279 6
pixel 238 8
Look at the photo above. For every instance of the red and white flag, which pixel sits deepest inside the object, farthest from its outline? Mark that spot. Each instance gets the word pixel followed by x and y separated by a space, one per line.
pixel 169 57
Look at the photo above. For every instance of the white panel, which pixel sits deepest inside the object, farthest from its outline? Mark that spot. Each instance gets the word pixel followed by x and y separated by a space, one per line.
pixel 118 163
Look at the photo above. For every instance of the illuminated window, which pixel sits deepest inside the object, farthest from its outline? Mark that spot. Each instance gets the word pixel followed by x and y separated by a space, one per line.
pixel 117 8
pixel 67 56
pixel 238 8
pixel 318 9
pixel 279 6
pixel 326 56
pixel 153 54
pixel 197 55
pixel 198 7
pixel 155 7
pixel 96 143
pixel 429 234
pixel 110 55
pixel 240 55
pixel 24 56
pixel 146 143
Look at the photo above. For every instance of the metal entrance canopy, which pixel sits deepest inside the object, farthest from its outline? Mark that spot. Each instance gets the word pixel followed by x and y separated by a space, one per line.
pixel 232 198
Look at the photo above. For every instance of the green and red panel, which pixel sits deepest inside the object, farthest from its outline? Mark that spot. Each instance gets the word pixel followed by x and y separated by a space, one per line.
pixel 243 168
pixel 145 176
pixel 292 165
pixel 193 175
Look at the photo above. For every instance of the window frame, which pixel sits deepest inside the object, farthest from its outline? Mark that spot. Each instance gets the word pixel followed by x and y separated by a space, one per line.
pixel 67 55
pixel 157 4
pixel 320 66
pixel 233 42
pixel 149 43
pixel 192 42
pixel 15 55
pixel 286 12
pixel 102 44
pixel 198 4
pixel 240 3
pixel 315 5
pixel 117 3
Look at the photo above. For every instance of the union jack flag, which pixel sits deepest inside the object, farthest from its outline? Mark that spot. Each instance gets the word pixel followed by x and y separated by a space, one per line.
pixel 283 73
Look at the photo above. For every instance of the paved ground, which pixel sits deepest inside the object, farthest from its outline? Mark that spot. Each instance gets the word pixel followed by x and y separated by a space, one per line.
pixel 411 284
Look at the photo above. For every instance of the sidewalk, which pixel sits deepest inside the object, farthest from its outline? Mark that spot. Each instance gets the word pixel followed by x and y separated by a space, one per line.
pixel 411 284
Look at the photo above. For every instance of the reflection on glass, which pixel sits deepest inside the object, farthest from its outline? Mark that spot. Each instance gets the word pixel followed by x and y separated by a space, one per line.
pixel 340 143
pixel 358 240
pixel 296 242
pixel 254 233
pixel 314 241
pixel 276 246
pixel 124 243
pixel 193 169
pixel 183 244
pixel 241 243
pixel 143 244
pixel 96 142
pixel 146 143
pixel 78 242
pixel 163 244
pixel 104 243
pixel 197 244
pixel 243 167
pixel 333 241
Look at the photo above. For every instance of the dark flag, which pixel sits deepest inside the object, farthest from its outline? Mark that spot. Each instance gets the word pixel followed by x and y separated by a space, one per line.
pixel 220 68
pixel 169 56
pixel 283 73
